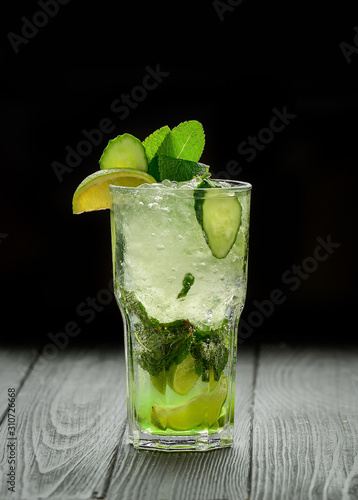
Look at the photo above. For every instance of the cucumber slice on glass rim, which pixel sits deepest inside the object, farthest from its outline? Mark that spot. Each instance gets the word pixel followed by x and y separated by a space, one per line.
pixel 124 151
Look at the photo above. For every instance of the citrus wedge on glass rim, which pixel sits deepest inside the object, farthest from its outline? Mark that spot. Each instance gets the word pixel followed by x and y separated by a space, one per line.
pixel 93 192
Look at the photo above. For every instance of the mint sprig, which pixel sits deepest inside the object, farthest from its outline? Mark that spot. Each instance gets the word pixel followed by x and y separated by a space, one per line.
pixel 185 141
pixel 160 345
pixel 176 169
pixel 210 352
pixel 154 141
pixel 174 154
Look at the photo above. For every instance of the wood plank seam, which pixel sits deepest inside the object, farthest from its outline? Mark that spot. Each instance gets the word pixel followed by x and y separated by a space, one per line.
pixel 112 464
pixel 305 440
pixel 22 381
pixel 255 370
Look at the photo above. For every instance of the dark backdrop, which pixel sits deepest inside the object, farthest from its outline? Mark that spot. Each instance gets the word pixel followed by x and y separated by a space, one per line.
pixel 232 66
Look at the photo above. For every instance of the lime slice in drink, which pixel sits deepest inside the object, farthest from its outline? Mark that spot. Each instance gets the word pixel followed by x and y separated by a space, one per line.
pixel 93 192
pixel 124 151
pixel 182 378
pixel 212 381
pixel 159 381
pixel 203 409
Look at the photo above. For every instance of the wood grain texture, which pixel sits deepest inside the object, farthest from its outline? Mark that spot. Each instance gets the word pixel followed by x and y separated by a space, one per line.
pixel 15 362
pixel 69 414
pixel 296 435
pixel 215 475
pixel 305 429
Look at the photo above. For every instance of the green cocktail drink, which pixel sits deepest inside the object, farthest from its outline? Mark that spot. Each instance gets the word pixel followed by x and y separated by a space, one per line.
pixel 180 249
pixel 180 302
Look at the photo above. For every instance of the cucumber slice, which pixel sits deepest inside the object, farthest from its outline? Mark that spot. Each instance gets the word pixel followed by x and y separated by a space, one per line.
pixel 220 219
pixel 125 151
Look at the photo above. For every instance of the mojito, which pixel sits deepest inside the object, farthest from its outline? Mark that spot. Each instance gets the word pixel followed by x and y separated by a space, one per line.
pixel 179 249
pixel 181 300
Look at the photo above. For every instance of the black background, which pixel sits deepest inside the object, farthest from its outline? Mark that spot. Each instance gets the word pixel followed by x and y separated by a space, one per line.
pixel 229 74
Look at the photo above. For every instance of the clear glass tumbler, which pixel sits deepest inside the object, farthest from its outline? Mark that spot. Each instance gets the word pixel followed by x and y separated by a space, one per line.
pixel 181 291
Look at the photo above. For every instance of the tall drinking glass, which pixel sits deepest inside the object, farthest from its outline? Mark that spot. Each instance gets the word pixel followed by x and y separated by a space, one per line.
pixel 181 296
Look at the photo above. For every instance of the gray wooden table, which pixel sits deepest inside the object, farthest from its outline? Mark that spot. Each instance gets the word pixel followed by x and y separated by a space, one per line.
pixel 296 431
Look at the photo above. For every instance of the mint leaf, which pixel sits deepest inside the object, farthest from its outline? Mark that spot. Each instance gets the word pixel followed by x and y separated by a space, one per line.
pixel 153 169
pixel 176 169
pixel 210 352
pixel 173 154
pixel 154 140
pixel 185 141
pixel 158 345
pixel 188 282
pixel 161 344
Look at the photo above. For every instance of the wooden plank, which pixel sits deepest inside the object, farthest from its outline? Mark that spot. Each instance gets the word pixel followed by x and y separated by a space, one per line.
pixel 215 475
pixel 15 362
pixel 305 430
pixel 69 414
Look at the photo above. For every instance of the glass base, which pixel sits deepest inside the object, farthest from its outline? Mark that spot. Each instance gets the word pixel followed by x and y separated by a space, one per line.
pixel 199 442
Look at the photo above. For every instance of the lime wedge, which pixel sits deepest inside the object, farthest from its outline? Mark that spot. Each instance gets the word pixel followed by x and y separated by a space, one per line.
pixel 182 378
pixel 202 410
pixel 159 381
pixel 93 192
pixel 212 381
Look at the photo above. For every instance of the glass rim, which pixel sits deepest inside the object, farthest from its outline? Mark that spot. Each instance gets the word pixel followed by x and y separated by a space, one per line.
pixel 235 186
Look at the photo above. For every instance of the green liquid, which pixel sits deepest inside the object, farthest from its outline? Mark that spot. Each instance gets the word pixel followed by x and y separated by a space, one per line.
pixel 165 272
pixel 200 410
